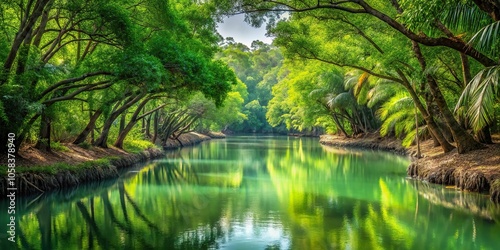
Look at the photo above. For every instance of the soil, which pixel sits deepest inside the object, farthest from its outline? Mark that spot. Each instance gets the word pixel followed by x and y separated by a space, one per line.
pixel 477 171
pixel 30 156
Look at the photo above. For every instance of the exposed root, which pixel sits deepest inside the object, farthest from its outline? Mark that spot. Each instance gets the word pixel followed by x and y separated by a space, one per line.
pixel 471 180
pixel 495 191
pixel 31 184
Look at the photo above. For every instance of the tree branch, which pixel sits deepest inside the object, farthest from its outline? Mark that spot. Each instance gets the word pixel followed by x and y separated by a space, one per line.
pixel 72 80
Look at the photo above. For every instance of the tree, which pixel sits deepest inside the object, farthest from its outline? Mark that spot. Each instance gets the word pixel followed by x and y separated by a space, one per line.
pixel 104 58
pixel 304 20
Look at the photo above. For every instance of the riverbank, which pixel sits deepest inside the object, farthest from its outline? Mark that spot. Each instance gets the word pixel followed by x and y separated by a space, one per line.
pixel 477 171
pixel 71 165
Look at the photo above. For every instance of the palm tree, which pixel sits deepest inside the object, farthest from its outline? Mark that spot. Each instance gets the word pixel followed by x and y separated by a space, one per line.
pixel 483 91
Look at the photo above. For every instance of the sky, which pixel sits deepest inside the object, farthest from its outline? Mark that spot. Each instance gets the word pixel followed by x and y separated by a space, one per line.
pixel 242 32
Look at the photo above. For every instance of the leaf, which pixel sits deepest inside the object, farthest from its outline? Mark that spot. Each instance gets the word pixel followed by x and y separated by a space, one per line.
pixel 488 39
pixel 479 96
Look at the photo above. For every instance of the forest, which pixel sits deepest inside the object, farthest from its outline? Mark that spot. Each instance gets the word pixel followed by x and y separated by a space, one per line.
pixel 98 99
pixel 101 73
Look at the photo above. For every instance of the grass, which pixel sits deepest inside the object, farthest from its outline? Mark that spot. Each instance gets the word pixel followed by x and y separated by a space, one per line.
pixel 57 146
pixel 137 146
pixel 131 146
pixel 59 167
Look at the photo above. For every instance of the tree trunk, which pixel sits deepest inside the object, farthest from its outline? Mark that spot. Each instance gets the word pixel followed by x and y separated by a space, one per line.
pixel 465 142
pixel 155 127
pixel 102 141
pixel 467 77
pixel 337 122
pixel 89 128
pixel 43 142
pixel 133 120
pixel 147 131
pixel 417 137
pixel 484 135
pixel 446 131
pixel 122 122
pixel 465 69
pixel 429 120
pixel 24 31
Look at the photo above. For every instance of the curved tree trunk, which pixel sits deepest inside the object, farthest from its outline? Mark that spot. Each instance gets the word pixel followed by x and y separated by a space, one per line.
pixel 341 127
pixel 133 120
pixel 24 31
pixel 465 142
pixel 90 127
pixel 429 120
pixel 102 141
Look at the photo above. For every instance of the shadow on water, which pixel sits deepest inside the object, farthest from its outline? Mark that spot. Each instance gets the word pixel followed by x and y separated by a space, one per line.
pixel 450 197
pixel 110 209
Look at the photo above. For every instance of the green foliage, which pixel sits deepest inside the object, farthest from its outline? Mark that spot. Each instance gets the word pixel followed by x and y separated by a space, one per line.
pixel 116 18
pixel 488 39
pixel 478 98
pixel 137 146
pixel 257 67
pixel 229 113
pixel 100 55
pixel 398 116
pixel 3 116
pixel 58 146
pixel 141 69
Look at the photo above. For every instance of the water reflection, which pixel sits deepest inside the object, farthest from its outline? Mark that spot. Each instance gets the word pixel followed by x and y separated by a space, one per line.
pixel 259 193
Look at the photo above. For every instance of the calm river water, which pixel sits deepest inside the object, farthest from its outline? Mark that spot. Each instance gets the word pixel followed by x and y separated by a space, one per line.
pixel 249 192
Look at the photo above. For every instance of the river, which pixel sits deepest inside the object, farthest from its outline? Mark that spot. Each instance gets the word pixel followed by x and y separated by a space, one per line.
pixel 248 192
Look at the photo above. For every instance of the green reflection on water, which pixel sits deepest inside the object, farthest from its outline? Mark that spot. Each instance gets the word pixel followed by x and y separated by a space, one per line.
pixel 260 193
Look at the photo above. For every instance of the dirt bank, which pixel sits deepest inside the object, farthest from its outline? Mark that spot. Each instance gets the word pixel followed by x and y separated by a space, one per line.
pixel 371 141
pixel 38 171
pixel 477 171
pixel 188 139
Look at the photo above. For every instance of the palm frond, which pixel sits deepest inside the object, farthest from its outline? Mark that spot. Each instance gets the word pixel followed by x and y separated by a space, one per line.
pixel 318 93
pixel 488 39
pixel 479 97
pixel 400 101
pixel 342 101
pixel 382 92
pixel 465 17
pixel 411 136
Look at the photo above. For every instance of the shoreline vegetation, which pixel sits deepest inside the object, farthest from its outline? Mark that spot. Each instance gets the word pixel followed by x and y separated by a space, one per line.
pixel 477 171
pixel 39 172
